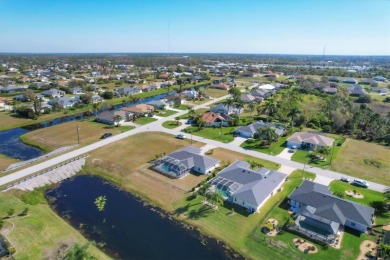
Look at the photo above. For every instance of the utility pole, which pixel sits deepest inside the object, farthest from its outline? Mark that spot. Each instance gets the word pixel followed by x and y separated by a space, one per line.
pixel 331 156
pixel 78 134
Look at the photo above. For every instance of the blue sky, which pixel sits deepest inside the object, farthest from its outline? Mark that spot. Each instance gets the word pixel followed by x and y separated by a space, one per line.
pixel 356 27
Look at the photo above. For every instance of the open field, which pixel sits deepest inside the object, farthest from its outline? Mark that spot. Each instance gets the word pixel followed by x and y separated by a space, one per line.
pixel 120 162
pixel 218 134
pixel 39 234
pixel 358 159
pixel 273 149
pixel 230 156
pixel 311 104
pixel 5 162
pixel 54 137
pixel 215 93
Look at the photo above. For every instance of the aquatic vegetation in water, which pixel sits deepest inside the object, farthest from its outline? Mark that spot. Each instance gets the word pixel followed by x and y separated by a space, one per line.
pixel 100 202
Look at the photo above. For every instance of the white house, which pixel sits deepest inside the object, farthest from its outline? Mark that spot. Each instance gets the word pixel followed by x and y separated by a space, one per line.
pixel 309 139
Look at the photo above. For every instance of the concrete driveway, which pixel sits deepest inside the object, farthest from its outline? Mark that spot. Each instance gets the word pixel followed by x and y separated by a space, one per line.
pixel 323 180
pixel 285 154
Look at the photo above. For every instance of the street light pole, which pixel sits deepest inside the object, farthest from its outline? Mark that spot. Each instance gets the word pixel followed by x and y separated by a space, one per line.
pixel 78 134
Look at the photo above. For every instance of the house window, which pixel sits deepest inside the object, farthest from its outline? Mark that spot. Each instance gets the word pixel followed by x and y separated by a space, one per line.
pixel 352 224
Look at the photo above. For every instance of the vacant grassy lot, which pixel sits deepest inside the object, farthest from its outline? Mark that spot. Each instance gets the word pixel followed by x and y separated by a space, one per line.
pixel 199 111
pixel 311 104
pixel 215 93
pixel 121 161
pixel 230 156
pixel 273 149
pixel 364 160
pixel 218 134
pixel 5 162
pixel 40 234
pixel 57 136
pixel 171 124
pixel 145 120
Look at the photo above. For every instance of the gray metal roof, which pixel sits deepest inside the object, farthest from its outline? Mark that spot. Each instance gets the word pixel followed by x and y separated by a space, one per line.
pixel 250 186
pixel 191 157
pixel 331 207
pixel 254 127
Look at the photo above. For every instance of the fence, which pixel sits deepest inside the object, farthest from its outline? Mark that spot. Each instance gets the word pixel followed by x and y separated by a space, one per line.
pixel 44 171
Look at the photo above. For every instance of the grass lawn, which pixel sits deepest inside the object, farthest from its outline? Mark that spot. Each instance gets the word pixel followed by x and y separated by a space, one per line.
pixel 230 156
pixel 166 113
pixel 5 162
pixel 212 133
pixel 369 199
pixel 145 120
pixel 215 93
pixel 117 163
pixel 273 149
pixel 355 159
pixel 54 137
pixel 171 124
pixel 183 107
pixel 311 104
pixel 199 111
pixel 39 234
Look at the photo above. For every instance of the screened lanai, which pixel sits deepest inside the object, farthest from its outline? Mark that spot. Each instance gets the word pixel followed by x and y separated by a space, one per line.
pixel 171 166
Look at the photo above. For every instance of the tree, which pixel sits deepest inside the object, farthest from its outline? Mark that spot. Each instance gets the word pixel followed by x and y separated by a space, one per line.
pixel 86 98
pixel 10 212
pixel 217 198
pixel 251 107
pixel 117 120
pixel 79 252
pixel 239 105
pixel 267 133
pixel 191 112
pixel 96 107
pixel 228 102
pixel 108 94
pixel 204 190
pixel 294 111
pixel 25 211
pixel 236 93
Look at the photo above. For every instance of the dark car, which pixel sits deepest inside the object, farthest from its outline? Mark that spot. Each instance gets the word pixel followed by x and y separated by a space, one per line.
pixel 106 135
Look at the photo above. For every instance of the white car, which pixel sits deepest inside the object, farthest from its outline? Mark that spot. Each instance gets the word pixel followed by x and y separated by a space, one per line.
pixel 360 183
pixel 180 136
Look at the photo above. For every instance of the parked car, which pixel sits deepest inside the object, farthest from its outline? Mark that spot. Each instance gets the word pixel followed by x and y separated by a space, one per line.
pixel 188 122
pixel 106 135
pixel 344 179
pixel 360 183
pixel 180 136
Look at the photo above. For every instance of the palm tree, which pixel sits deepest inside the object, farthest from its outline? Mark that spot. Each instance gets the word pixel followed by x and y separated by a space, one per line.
pixel 217 198
pixel 96 107
pixel 323 152
pixel 267 133
pixel 294 111
pixel 117 120
pixel 251 107
pixel 228 102
pixel 191 111
pixel 204 190
pixel 239 105
pixel 269 108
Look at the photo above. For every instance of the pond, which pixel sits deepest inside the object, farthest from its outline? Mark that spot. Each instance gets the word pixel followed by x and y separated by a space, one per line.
pixel 126 227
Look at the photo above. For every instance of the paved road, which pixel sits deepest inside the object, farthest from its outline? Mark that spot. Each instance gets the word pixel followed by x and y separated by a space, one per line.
pixel 157 126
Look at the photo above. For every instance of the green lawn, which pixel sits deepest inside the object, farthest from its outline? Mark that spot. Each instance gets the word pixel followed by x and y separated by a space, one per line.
pixel 183 107
pixel 39 234
pixel 171 124
pixel 273 149
pixel 199 111
pixel 166 113
pixel 369 199
pixel 212 133
pixel 304 157
pixel 144 120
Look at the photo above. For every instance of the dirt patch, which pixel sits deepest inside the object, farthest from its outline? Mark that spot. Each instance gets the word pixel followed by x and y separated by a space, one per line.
pixel 387 227
pixel 365 247
pixel 304 246
pixel 274 223
pixel 355 195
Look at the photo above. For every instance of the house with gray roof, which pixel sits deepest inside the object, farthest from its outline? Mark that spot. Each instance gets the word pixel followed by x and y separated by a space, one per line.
pixel 263 93
pixel 356 90
pixel 13 89
pixel 53 93
pixel 349 81
pixel 179 163
pixel 64 102
pixel 108 117
pixel 127 91
pixel 225 109
pixel 246 187
pixel 311 140
pixel 251 131
pixel 322 214
pixel 161 103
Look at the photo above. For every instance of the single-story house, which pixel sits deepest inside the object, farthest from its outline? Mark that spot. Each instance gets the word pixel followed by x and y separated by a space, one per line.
pixel 161 103
pixel 310 139
pixel 329 90
pixel 179 163
pixel 13 89
pixel 248 188
pixel 263 93
pixel 190 94
pixel 215 119
pixel 248 98
pixel 96 99
pixel 77 91
pixel 250 131
pixel 127 91
pixel 222 86
pixel 53 93
pixel 139 110
pixel 320 212
pixel 380 79
pixel 349 81
pixel 334 79
pixel 164 76
pixel 64 102
pixel 356 90
pixel 109 117
pixel 225 109
pixel 380 90
pixel 267 86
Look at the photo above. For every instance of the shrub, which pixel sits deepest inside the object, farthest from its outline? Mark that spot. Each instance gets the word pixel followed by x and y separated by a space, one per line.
pixel 251 140
pixel 34 197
